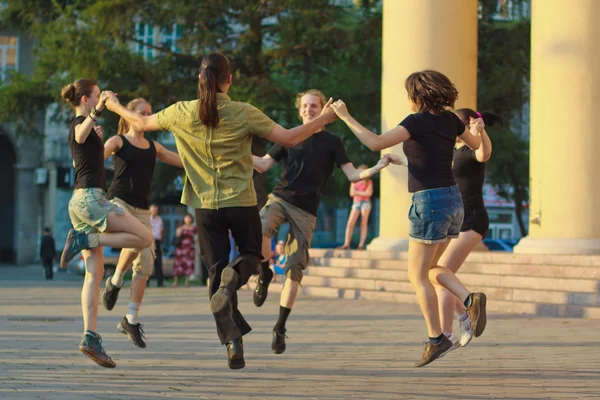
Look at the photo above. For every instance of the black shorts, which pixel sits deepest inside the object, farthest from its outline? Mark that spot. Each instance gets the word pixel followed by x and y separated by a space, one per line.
pixel 476 219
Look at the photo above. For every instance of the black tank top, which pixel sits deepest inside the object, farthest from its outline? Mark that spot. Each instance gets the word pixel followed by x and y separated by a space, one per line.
pixel 133 174
pixel 469 175
pixel 88 157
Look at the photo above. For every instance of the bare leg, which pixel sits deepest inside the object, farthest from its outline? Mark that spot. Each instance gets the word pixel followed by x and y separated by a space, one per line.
pixel 420 258
pixel 289 293
pixel 138 288
pixel 90 293
pixel 175 280
pixel 125 231
pixel 352 218
pixel 126 258
pixel 453 258
pixel 266 248
pixel 364 227
pixel 187 281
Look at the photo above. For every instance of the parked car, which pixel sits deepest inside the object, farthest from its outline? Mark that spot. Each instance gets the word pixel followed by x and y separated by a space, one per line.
pixel 500 244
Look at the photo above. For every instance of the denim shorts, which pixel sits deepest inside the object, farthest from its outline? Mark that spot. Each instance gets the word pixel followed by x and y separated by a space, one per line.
pixel 89 208
pixel 436 215
pixel 361 205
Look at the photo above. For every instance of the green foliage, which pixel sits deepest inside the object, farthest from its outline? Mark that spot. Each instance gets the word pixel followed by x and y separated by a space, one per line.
pixel 503 87
pixel 277 48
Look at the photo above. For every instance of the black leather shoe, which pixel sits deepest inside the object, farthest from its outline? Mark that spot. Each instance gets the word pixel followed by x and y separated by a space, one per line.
pixel 235 354
pixel 278 344
pixel 262 288
pixel 110 295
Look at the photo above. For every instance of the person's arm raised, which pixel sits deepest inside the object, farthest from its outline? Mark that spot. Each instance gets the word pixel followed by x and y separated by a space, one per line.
pixel 83 130
pixel 262 164
pixel 484 152
pixel 291 137
pixel 144 123
pixel 374 142
pixel 357 175
pixel 472 135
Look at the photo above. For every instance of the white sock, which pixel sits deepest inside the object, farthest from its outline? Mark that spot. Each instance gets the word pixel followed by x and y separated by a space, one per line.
pixel 117 278
pixel 132 313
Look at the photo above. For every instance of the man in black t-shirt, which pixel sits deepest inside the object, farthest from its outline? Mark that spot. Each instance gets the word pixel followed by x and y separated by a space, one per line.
pixel 295 200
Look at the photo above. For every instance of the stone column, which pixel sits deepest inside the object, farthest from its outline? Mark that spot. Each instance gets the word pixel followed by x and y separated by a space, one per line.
pixel 564 141
pixel 27 218
pixel 417 35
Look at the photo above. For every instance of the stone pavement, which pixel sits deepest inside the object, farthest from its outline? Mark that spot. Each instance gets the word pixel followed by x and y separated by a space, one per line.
pixel 338 349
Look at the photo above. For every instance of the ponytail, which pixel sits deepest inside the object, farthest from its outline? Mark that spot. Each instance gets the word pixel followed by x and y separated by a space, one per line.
pixel 207 94
pixel 73 92
pixel 489 119
pixel 214 71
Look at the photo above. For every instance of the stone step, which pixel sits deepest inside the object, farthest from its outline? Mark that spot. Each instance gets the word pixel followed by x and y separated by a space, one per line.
pixel 370 289
pixel 473 267
pixel 493 305
pixel 389 280
pixel 491 257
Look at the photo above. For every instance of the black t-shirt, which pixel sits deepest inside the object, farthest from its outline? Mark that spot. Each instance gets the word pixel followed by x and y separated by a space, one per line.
pixel 470 175
pixel 133 174
pixel 88 157
pixel 308 167
pixel 430 149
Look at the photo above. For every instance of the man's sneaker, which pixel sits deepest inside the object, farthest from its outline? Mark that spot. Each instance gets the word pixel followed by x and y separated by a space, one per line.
pixel 262 288
pixel 476 312
pixel 455 343
pixel 221 298
pixel 134 332
pixel 235 354
pixel 110 295
pixel 91 346
pixel 466 330
pixel 278 343
pixel 76 241
pixel 433 351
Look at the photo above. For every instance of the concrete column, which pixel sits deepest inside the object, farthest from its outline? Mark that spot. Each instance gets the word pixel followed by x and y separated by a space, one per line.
pixel 417 35
pixel 27 218
pixel 564 142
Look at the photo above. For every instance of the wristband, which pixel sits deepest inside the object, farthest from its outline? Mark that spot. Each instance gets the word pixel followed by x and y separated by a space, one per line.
pixel 96 112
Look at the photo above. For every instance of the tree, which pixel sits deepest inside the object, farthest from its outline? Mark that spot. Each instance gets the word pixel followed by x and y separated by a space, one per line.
pixel 277 48
pixel 503 87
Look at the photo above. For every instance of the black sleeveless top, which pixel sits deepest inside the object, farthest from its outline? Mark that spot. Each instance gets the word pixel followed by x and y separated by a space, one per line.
pixel 469 175
pixel 133 174
pixel 88 157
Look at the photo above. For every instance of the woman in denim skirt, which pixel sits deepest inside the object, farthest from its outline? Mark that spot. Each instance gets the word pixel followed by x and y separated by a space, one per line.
pixel 436 214
pixel 96 221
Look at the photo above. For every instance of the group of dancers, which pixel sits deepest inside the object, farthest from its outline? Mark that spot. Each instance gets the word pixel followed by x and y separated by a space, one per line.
pixel 213 135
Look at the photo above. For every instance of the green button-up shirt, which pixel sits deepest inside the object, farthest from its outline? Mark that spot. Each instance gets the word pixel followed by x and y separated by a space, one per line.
pixel 217 161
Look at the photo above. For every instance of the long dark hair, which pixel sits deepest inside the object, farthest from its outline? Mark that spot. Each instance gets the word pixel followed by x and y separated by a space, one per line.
pixel 431 91
pixel 489 118
pixel 214 71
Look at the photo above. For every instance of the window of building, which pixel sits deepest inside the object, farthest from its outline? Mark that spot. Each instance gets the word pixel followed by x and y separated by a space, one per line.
pixel 145 34
pixel 9 55
pixel 170 37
